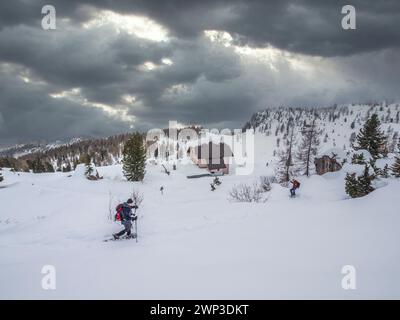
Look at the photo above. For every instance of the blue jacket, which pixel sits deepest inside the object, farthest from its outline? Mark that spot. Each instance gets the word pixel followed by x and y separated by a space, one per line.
pixel 127 213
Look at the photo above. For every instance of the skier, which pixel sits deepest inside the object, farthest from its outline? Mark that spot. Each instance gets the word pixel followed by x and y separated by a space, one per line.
pixel 127 216
pixel 217 181
pixel 162 190
pixel 295 185
pixel 212 186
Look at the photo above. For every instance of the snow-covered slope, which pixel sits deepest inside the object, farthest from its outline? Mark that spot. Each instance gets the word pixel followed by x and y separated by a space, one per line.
pixel 20 150
pixel 194 243
pixel 339 124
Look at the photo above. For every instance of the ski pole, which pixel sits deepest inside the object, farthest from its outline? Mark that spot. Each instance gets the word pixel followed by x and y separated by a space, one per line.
pixel 136 230
pixel 136 225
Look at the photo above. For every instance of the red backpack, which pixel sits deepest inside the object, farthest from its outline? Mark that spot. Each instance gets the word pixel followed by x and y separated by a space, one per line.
pixel 296 184
pixel 118 215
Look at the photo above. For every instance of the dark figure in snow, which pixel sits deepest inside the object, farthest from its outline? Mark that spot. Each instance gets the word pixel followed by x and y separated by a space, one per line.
pixel 295 185
pixel 162 190
pixel 127 216
pixel 212 186
pixel 217 181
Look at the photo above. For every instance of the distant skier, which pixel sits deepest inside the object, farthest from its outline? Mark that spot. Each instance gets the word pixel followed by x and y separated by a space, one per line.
pixel 162 190
pixel 295 185
pixel 212 186
pixel 216 181
pixel 126 216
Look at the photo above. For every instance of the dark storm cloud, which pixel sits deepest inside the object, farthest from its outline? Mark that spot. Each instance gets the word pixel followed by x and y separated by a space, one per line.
pixel 28 113
pixel 208 83
pixel 105 66
pixel 314 27
pixel 77 58
pixel 304 26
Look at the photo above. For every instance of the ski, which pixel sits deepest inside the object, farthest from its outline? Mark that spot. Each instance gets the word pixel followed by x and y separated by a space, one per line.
pixel 134 236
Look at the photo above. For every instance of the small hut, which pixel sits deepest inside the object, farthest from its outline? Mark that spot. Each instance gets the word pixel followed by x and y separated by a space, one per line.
pixel 213 156
pixel 326 164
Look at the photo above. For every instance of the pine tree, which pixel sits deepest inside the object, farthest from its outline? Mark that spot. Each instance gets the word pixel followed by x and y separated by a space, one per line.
pixel 37 166
pixel 392 145
pixel 395 168
pixel 385 171
pixel 134 158
pixel 365 182
pixel 351 185
pixel 67 167
pixel 88 165
pixel 359 186
pixel 75 163
pixel 84 158
pixel 309 147
pixel 48 167
pixel 377 171
pixel 371 138
pixel 358 158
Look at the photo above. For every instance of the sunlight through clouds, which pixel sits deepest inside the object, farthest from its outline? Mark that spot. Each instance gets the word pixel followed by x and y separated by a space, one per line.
pixel 141 27
pixel 120 111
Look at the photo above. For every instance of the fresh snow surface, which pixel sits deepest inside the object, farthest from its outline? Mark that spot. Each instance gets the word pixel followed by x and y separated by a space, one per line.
pixel 194 243
pixel 197 244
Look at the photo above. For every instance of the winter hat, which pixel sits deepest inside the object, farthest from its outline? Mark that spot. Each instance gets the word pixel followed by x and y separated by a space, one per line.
pixel 129 201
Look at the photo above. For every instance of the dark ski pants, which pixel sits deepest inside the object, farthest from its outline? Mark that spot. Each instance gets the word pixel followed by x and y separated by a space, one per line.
pixel 293 192
pixel 127 230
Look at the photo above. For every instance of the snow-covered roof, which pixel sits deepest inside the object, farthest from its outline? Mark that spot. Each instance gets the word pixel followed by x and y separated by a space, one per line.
pixel 339 153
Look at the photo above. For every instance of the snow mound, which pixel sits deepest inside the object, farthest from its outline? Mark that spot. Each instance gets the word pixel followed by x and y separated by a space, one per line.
pixel 339 153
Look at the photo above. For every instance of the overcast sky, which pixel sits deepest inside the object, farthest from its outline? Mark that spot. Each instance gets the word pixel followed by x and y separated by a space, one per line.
pixel 117 66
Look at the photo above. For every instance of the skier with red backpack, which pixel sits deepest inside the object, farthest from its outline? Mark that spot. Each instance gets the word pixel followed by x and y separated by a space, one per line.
pixel 126 216
pixel 295 185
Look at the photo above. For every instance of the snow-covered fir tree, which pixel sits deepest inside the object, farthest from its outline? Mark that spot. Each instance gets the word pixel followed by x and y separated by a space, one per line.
pixel 351 185
pixel 377 170
pixel 395 168
pixel 88 165
pixel 134 158
pixel 360 186
pixel 392 144
pixel 37 166
pixel 385 171
pixel 358 158
pixel 365 182
pixel 371 138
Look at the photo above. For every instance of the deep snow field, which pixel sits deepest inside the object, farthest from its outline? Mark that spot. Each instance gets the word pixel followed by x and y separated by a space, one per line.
pixel 194 243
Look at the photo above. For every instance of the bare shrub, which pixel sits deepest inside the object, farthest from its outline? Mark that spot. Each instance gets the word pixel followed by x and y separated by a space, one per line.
pixel 254 192
pixel 246 193
pixel 137 197
pixel 266 181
